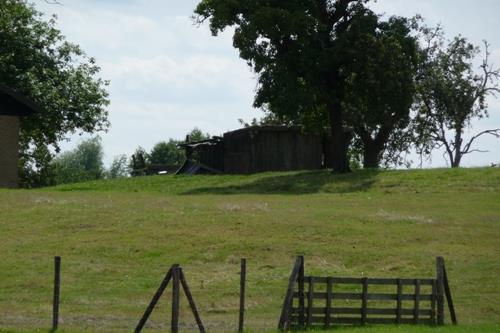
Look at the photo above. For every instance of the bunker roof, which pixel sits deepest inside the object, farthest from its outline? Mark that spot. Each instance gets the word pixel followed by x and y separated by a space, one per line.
pixel 14 104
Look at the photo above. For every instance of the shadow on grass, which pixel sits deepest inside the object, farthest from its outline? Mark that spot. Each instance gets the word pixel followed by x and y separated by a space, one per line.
pixel 305 182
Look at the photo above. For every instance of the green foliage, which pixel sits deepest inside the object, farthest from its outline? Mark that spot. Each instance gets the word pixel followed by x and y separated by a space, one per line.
pixel 164 153
pixel 81 164
pixel 451 95
pixel 36 169
pixel 38 62
pixel 119 167
pixel 381 59
pixel 167 153
pixel 138 161
pixel 197 134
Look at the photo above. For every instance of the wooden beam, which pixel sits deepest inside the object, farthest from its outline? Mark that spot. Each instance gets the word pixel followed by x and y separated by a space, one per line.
pixel 153 302
pixel 284 321
pixel 439 290
pixel 449 300
pixel 57 292
pixel 192 304
pixel 243 273
pixel 175 298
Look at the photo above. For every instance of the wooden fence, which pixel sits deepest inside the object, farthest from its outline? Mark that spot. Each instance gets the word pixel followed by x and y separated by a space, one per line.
pixel 313 301
pixel 175 274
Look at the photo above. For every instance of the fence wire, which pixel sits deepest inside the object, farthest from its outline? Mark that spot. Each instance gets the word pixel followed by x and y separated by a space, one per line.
pixel 117 306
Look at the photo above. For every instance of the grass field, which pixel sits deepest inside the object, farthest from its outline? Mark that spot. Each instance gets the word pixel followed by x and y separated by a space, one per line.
pixel 117 238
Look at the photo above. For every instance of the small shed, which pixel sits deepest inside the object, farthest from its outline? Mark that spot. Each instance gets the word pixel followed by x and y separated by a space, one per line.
pixel 258 149
pixel 12 107
pixel 271 148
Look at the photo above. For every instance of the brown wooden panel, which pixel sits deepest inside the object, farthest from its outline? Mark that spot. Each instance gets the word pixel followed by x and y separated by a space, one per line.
pixel 319 321
pixel 372 296
pixel 376 281
pixel 369 311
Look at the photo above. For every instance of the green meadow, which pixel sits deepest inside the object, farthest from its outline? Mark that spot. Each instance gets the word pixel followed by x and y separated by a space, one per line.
pixel 117 239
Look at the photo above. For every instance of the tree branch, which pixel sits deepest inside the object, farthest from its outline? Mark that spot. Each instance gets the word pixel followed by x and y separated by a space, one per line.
pixel 488 75
pixel 53 2
pixel 495 132
pixel 476 151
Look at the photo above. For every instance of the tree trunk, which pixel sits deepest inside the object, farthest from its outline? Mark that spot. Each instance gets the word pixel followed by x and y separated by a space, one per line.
pixel 455 163
pixel 371 155
pixel 340 162
pixel 457 145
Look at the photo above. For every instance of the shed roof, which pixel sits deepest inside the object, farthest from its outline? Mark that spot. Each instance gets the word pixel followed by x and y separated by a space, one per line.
pixel 203 143
pixel 266 128
pixel 14 104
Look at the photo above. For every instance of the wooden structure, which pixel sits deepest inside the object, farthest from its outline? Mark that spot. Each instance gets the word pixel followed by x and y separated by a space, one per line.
pixel 258 149
pixel 271 148
pixel 12 107
pixel 313 301
pixel 175 274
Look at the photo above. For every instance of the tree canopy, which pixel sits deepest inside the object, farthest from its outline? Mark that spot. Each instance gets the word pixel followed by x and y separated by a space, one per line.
pixel 294 48
pixel 83 163
pixel 381 61
pixel 451 94
pixel 166 153
pixel 37 61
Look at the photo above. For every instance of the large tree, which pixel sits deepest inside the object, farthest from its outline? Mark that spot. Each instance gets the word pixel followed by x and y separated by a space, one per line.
pixel 38 62
pixel 451 94
pixel 294 48
pixel 381 61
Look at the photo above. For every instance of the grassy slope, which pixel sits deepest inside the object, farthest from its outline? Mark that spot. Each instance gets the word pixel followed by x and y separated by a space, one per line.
pixel 117 239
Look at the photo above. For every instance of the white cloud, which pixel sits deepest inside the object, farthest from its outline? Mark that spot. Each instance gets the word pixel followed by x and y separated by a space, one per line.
pixel 204 70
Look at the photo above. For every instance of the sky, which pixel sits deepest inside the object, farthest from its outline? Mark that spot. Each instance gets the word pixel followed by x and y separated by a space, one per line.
pixel 169 75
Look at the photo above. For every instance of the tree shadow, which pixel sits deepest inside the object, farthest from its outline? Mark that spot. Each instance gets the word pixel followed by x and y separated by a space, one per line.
pixel 304 182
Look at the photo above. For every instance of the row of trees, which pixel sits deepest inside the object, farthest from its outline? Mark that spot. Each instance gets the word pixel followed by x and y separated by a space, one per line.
pixel 165 152
pixel 390 85
pixel 85 161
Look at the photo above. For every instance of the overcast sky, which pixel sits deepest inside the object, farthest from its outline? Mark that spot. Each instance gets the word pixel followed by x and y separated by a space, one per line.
pixel 168 75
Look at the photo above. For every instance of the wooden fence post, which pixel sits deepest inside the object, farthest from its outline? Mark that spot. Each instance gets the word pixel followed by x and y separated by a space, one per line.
pixel 399 301
pixel 449 300
pixel 284 321
pixel 439 290
pixel 364 300
pixel 189 296
pixel 300 280
pixel 57 291
pixel 153 302
pixel 416 306
pixel 175 298
pixel 243 272
pixel 328 314
pixel 310 300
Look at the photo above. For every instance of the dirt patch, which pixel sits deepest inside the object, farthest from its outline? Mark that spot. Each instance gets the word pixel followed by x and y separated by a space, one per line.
pixel 397 217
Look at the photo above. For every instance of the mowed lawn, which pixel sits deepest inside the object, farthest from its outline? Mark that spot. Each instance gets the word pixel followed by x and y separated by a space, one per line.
pixel 118 238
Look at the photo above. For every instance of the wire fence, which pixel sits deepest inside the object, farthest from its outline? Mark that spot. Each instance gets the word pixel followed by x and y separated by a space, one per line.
pixel 107 305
